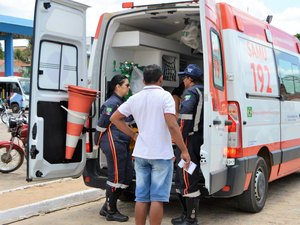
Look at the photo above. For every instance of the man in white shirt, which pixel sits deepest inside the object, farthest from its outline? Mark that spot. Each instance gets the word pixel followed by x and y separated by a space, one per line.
pixel 153 110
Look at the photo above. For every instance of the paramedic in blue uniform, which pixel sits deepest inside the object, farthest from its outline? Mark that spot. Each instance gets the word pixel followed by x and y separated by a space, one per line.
pixel 190 119
pixel 115 146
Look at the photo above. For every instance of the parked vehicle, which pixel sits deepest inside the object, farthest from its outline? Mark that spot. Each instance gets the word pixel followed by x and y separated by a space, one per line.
pixel 16 91
pixel 4 113
pixel 251 89
pixel 12 152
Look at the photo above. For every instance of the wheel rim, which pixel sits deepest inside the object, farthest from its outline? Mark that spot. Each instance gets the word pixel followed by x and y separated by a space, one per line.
pixel 5 118
pixel 9 161
pixel 260 185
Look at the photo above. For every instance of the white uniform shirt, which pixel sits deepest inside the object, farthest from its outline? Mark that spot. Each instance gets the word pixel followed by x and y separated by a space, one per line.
pixel 148 108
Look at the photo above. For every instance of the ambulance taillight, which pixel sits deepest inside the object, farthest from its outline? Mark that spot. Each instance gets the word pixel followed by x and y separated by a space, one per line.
pixel 87 135
pixel 127 5
pixel 234 149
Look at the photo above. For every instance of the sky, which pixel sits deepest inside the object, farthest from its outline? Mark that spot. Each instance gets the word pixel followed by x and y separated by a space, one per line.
pixel 286 13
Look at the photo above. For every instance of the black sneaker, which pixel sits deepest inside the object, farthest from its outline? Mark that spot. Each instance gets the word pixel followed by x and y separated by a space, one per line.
pixel 103 210
pixel 178 220
pixel 116 216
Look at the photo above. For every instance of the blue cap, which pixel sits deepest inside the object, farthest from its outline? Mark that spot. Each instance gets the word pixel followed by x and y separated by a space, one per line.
pixel 192 70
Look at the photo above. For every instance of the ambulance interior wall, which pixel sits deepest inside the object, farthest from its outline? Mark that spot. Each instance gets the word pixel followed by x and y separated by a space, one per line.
pixel 145 56
pixel 125 43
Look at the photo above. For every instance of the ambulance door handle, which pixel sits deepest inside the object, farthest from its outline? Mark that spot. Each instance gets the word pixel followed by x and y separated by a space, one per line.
pixel 217 122
pixel 228 122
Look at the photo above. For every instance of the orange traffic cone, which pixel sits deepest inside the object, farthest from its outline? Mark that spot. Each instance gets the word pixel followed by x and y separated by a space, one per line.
pixel 79 105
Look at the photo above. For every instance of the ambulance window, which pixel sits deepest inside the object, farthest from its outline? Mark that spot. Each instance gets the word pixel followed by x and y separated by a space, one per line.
pixel 217 61
pixel 289 73
pixel 57 66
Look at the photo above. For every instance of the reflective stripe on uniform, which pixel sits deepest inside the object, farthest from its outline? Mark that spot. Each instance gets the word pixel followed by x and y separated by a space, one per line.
pixel 185 116
pixel 186 181
pixel 72 140
pixel 117 185
pixel 101 129
pixel 198 112
pixel 192 195
pixel 76 117
pixel 114 155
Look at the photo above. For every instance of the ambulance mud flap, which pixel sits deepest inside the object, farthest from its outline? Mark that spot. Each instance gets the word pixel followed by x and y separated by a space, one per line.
pixel 93 176
pixel 236 176
pixel 217 180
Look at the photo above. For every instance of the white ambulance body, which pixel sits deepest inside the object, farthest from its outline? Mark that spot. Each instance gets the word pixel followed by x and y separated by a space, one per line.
pixel 251 89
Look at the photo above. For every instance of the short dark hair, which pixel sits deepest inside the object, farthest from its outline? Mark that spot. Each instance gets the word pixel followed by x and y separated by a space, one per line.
pixel 152 73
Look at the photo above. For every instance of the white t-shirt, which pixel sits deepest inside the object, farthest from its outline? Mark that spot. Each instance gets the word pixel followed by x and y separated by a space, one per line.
pixel 148 108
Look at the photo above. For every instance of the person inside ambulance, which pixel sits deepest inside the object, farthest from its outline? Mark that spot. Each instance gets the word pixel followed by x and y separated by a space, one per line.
pixel 115 146
pixel 191 123
pixel 176 94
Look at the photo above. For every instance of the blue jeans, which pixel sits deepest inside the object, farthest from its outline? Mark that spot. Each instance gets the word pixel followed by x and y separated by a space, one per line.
pixel 153 179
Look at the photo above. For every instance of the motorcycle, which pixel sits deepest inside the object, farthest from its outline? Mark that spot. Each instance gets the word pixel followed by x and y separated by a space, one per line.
pixel 12 152
pixel 4 114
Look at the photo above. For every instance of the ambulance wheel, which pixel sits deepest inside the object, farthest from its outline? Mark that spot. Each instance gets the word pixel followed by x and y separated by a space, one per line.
pixel 253 200
pixel 15 108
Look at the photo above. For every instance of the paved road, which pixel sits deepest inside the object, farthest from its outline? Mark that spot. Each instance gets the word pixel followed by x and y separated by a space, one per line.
pixel 282 208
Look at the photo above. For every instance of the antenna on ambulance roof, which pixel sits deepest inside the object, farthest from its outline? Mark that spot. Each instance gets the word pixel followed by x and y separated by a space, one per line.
pixel 269 19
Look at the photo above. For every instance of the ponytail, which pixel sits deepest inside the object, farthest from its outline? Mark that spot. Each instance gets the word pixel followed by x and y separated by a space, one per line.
pixel 116 80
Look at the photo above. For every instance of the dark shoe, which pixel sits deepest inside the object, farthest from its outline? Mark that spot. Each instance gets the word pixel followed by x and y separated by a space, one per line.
pixel 103 210
pixel 116 216
pixel 187 221
pixel 178 220
pixel 112 212
pixel 182 217
pixel 192 211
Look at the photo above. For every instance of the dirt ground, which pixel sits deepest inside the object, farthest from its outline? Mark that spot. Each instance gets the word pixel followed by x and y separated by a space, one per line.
pixel 282 208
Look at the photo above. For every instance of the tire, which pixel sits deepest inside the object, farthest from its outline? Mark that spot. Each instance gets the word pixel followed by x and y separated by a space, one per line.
pixel 253 200
pixel 5 117
pixel 15 107
pixel 12 161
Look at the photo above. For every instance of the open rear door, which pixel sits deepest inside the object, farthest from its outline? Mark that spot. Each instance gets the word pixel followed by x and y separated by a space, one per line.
pixel 59 59
pixel 213 150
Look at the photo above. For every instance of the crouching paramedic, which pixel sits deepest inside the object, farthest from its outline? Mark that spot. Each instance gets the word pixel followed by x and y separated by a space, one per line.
pixel 191 124
pixel 115 145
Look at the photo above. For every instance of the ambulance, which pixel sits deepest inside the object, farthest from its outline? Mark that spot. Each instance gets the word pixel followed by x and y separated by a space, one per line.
pixel 251 121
